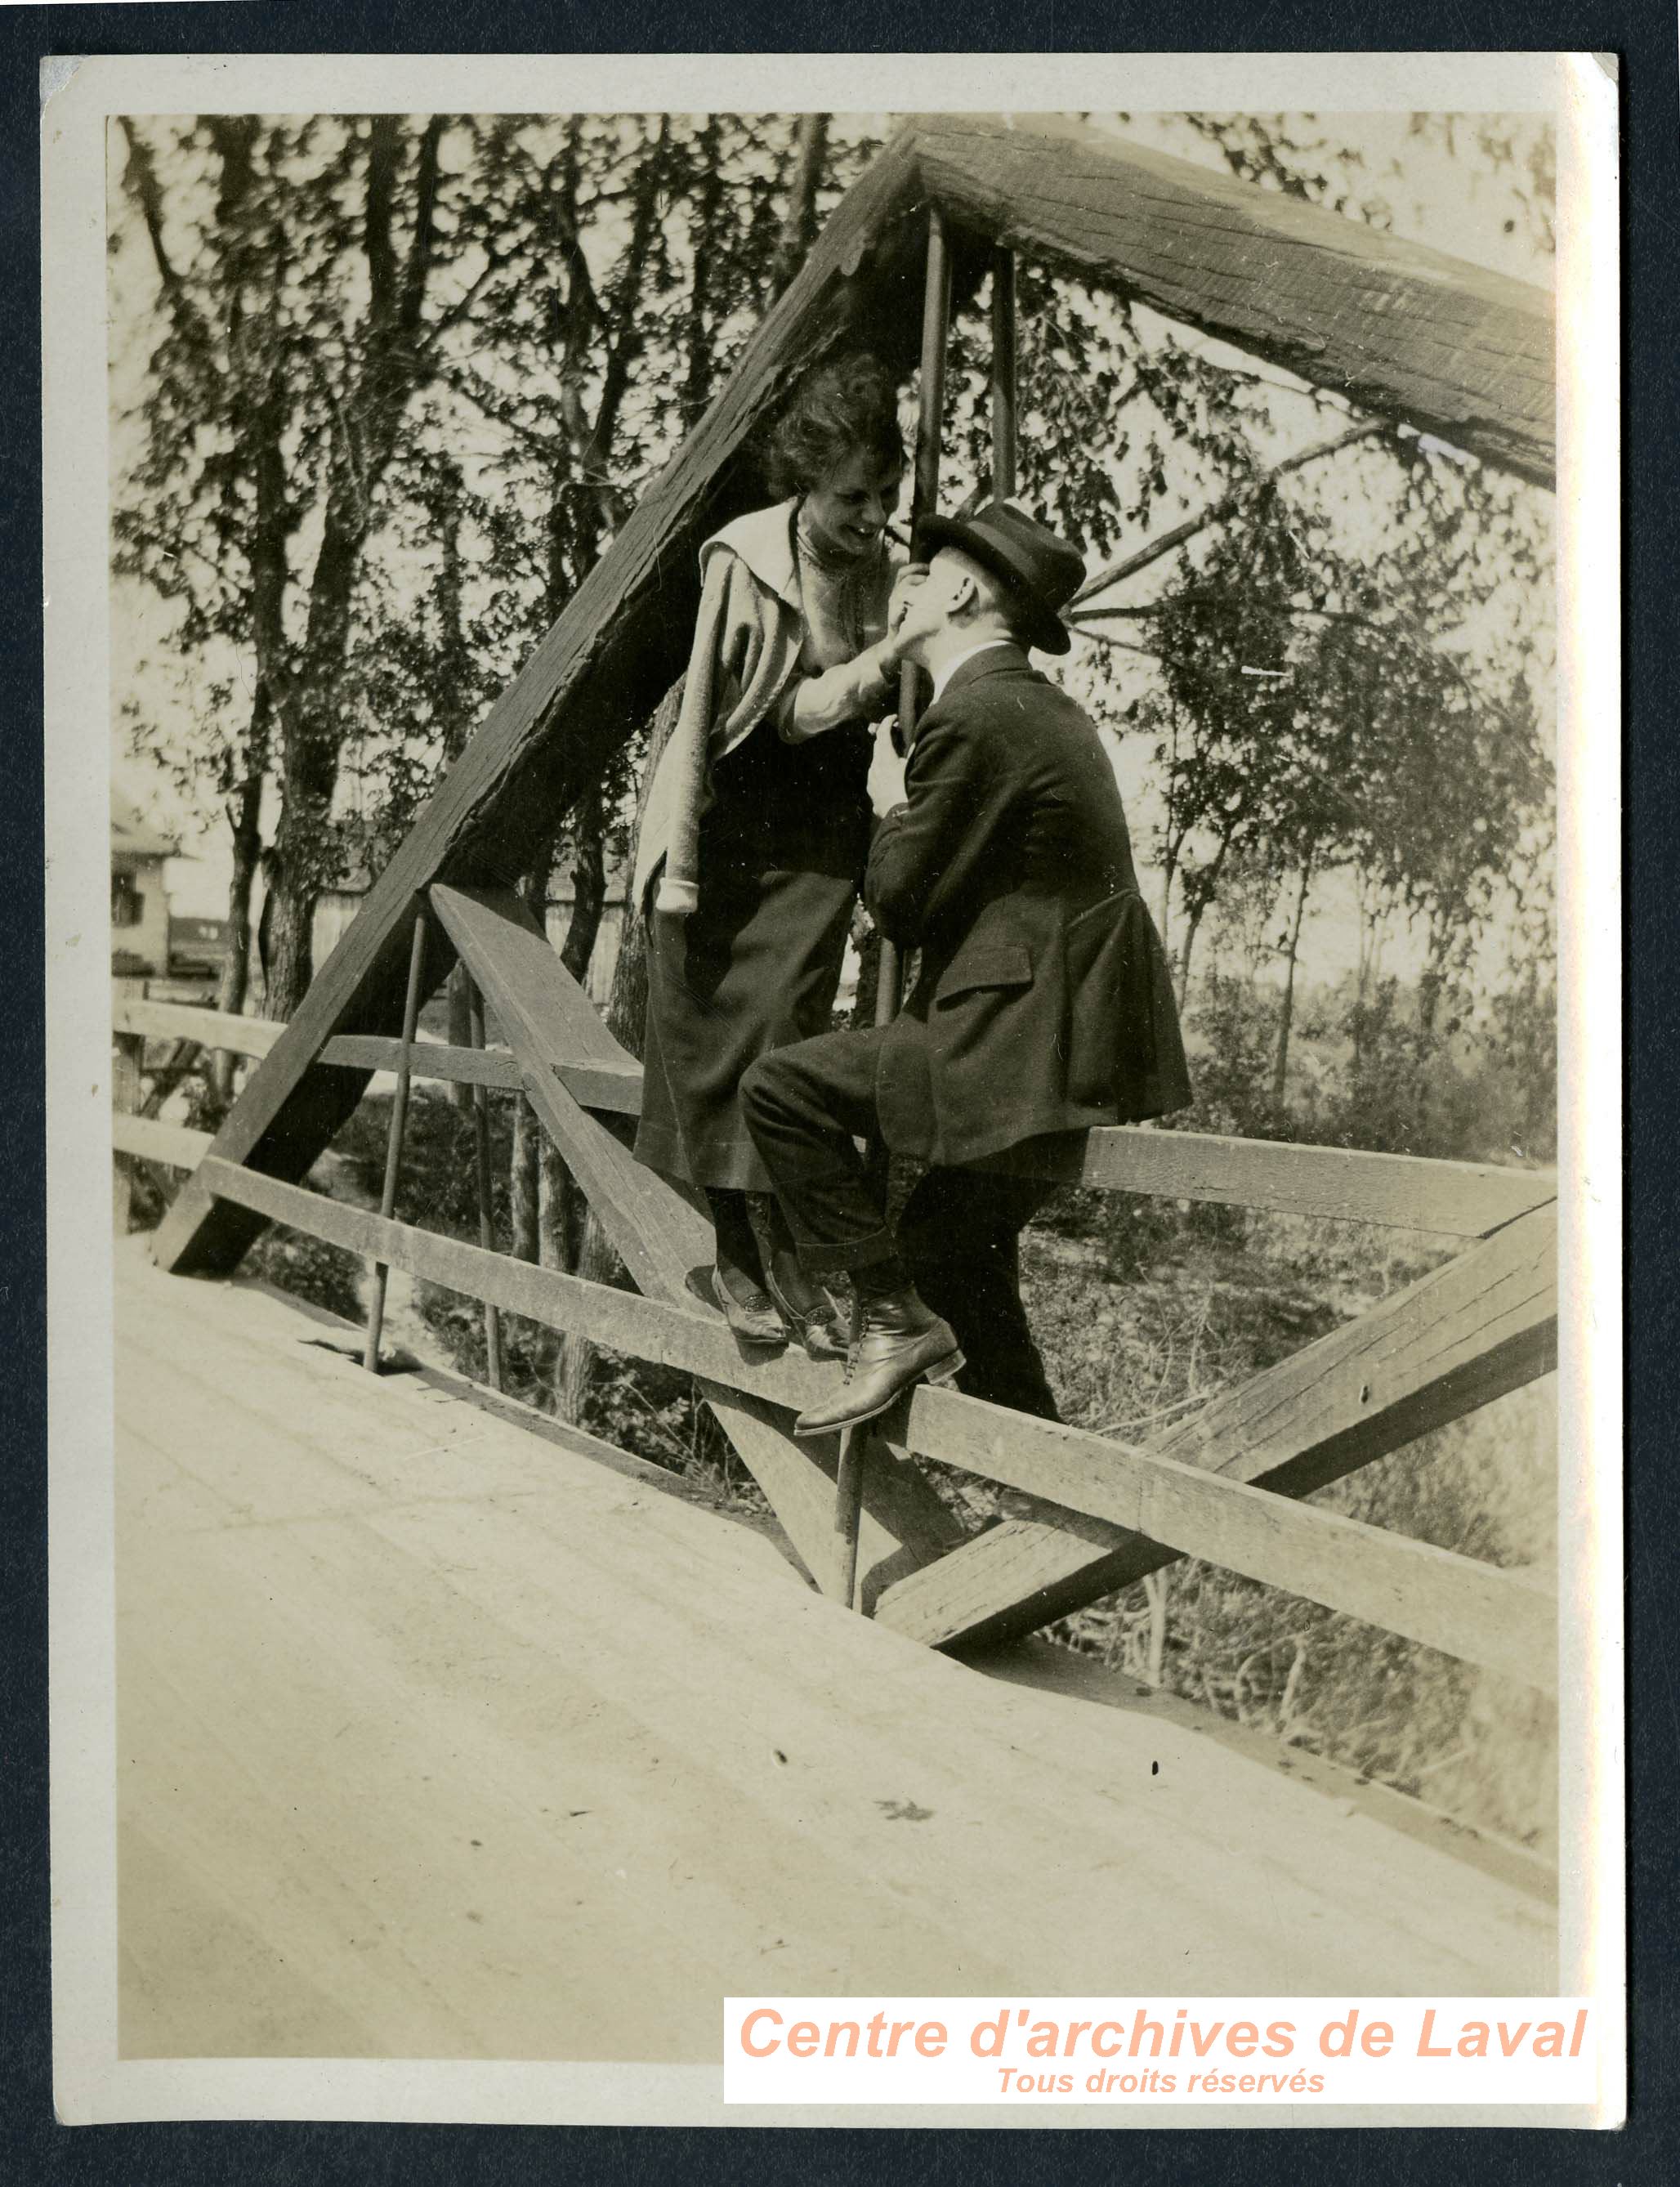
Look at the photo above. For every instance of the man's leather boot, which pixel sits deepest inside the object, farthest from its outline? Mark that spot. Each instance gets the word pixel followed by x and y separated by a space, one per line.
pixel 895 1341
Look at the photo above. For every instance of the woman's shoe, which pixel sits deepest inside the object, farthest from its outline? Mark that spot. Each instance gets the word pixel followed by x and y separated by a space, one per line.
pixel 750 1311
pixel 810 1314
pixel 815 1325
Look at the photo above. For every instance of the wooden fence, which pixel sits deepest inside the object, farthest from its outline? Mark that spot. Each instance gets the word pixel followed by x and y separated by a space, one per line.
pixel 1093 1514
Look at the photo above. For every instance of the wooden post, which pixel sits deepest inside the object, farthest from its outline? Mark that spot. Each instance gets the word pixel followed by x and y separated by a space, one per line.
pixel 1003 409
pixel 487 1229
pixel 127 1053
pixel 924 500
pixel 854 1453
pixel 460 1029
pixel 399 1119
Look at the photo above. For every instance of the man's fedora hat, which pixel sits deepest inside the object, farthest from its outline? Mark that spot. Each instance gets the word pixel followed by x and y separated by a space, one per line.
pixel 1042 571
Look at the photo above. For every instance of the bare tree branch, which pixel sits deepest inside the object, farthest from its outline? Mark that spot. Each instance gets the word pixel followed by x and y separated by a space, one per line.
pixel 478 391
pixel 1141 558
pixel 1121 644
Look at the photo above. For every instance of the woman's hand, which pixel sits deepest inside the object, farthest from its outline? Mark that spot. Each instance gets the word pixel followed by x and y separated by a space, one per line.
pixel 858 689
pixel 915 612
pixel 905 586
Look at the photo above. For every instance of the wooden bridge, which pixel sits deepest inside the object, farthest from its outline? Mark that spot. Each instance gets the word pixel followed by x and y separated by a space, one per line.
pixel 445 1731
pixel 1222 1485
pixel 446 1728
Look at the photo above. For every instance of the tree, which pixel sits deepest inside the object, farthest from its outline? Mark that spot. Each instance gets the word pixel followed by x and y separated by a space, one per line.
pixel 1424 626
pixel 218 607
pixel 297 279
pixel 337 303
pixel 1343 675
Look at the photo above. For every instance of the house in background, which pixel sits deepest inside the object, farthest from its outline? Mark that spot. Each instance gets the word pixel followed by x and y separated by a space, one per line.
pixel 139 900
pixel 149 941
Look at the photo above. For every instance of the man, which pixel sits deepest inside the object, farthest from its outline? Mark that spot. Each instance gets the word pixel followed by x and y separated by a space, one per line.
pixel 1042 1006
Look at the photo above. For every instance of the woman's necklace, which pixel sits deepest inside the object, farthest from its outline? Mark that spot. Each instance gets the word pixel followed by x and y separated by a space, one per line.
pixel 832 560
pixel 847 578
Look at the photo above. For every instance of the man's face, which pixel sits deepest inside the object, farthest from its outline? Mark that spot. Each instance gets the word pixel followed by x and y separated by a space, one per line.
pixel 953 579
pixel 941 599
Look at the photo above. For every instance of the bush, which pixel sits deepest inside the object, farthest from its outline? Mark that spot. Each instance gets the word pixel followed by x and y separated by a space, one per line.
pixel 1476 1083
pixel 1232 1030
pixel 1131 1358
pixel 326 1275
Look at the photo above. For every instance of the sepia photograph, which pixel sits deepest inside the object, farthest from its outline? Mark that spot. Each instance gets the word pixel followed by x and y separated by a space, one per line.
pixel 834 1085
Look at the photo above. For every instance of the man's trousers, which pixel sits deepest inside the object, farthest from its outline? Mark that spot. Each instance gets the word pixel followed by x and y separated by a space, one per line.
pixel 958 1235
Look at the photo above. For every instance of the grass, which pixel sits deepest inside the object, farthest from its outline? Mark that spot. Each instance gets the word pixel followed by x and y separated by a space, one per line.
pixel 1134 1345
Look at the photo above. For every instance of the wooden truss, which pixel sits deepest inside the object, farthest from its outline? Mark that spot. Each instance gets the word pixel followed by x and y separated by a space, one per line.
pixel 1407 335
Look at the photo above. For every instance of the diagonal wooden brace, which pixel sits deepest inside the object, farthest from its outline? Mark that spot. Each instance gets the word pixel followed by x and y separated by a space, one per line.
pixel 1481 1325
pixel 543 1014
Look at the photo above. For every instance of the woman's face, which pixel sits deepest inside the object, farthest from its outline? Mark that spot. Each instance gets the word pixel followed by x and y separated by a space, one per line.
pixel 847 512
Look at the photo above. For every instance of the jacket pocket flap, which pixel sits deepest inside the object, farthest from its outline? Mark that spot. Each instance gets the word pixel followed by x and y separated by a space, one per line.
pixel 1004 964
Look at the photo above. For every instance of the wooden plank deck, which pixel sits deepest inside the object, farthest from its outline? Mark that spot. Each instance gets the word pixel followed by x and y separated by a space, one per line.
pixel 437 1738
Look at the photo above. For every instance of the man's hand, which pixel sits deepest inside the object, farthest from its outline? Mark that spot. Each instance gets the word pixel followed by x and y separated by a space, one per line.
pixel 886 774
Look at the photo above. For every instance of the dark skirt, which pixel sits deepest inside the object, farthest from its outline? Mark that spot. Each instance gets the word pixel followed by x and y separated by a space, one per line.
pixel 782 850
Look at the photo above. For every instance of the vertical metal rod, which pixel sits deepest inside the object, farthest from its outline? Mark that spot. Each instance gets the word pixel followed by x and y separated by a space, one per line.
pixel 849 1507
pixel 931 409
pixel 460 1012
pixel 1004 411
pixel 924 499
pixel 399 1119
pixel 486 1229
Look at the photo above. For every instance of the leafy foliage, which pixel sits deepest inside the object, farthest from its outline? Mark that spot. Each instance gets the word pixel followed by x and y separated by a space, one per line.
pixel 404 379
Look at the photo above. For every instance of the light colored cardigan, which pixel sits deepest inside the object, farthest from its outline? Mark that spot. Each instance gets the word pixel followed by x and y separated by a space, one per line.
pixel 746 652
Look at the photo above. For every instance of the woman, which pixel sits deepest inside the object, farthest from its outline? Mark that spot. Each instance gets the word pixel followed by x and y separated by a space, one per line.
pixel 756 828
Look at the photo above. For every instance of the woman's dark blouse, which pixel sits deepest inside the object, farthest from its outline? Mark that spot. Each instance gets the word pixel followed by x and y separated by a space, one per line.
pixel 783 846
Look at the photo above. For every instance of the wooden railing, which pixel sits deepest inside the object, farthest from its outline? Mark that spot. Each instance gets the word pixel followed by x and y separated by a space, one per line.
pixel 1446 1199
pixel 1223 1485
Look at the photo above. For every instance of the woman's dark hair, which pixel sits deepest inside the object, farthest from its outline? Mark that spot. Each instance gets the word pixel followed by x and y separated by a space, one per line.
pixel 837 410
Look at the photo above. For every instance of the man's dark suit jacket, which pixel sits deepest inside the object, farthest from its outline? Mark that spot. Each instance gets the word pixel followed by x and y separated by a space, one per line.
pixel 1043 1002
